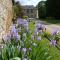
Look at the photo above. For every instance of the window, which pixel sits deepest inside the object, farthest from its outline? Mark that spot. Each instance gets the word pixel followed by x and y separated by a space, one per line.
pixel 31 10
pixel 27 10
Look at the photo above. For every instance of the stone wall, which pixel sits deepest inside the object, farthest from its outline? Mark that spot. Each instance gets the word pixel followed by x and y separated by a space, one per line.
pixel 5 16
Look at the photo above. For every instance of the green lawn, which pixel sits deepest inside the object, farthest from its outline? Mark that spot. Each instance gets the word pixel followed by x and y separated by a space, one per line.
pixel 54 52
pixel 52 21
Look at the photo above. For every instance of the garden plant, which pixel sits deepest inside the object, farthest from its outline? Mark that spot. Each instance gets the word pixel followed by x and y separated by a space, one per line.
pixel 24 43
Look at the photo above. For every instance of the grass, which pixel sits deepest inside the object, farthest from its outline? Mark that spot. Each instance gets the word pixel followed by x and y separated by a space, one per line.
pixel 54 52
pixel 52 21
pixel 32 27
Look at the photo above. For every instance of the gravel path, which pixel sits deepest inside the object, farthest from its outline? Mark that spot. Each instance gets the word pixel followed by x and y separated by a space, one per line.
pixel 53 27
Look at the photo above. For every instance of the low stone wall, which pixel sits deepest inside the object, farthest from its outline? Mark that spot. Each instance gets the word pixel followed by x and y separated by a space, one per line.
pixel 5 16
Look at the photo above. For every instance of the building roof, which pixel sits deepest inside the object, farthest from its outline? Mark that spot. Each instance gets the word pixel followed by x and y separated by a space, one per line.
pixel 29 7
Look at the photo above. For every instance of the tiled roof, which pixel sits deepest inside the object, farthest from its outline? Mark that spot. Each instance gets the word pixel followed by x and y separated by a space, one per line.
pixel 28 7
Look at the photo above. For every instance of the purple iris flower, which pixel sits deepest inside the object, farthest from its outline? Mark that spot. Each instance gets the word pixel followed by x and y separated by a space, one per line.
pixel 24 50
pixel 23 23
pixel 38 38
pixel 14 33
pixel 17 37
pixel 54 32
pixel 53 42
pixel 13 30
pixel 36 32
pixel 39 26
pixel 7 37
pixel 26 25
pixel 20 21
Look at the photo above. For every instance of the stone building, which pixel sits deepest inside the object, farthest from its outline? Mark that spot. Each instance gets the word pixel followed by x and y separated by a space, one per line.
pixel 5 16
pixel 30 11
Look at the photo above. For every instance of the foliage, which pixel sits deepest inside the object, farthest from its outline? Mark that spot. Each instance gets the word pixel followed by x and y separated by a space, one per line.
pixel 29 43
pixel 17 8
pixel 53 8
pixel 25 17
pixel 42 9
pixel 28 46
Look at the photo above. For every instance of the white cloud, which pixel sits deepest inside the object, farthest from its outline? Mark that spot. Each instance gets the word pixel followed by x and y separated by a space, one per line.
pixel 29 2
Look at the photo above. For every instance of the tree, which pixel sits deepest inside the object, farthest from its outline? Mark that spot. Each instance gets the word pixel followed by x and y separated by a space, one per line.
pixel 53 8
pixel 42 9
pixel 18 11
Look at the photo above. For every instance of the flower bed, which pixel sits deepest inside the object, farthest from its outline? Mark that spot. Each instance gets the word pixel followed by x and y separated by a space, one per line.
pixel 26 44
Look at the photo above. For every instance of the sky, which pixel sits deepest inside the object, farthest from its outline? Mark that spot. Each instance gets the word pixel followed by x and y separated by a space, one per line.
pixel 29 2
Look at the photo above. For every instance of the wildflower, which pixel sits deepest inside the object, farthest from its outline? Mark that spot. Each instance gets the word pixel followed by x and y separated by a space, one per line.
pixel 17 37
pixel 54 32
pixel 39 26
pixel 24 50
pixel 13 30
pixel 25 23
pixel 53 42
pixel 14 33
pixel 7 37
pixel 38 38
pixel 20 21
pixel 36 32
